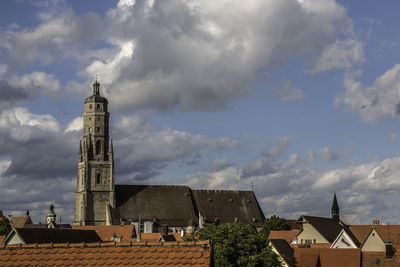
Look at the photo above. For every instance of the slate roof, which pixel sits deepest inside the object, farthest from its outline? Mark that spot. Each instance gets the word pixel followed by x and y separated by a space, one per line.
pixel 105 232
pixel 167 205
pixel 40 236
pixel 289 235
pixel 226 205
pixel 327 227
pixel 327 257
pixel 284 250
pixel 109 254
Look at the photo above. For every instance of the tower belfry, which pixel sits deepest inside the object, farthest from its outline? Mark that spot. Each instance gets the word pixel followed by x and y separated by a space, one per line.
pixel 95 183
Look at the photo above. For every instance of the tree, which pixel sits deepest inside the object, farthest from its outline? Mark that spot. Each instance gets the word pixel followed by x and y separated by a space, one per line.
pixel 274 223
pixel 237 244
pixel 5 226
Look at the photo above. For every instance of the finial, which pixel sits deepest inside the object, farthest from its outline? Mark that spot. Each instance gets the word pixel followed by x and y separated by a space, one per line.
pixel 27 212
pixel 96 87
pixel 52 207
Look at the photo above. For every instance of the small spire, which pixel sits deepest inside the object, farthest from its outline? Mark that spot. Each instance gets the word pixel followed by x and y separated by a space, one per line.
pixel 335 208
pixel 27 212
pixel 52 208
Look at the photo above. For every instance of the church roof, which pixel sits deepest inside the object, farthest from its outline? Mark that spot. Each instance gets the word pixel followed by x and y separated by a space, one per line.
pixel 227 206
pixel 179 205
pixel 165 204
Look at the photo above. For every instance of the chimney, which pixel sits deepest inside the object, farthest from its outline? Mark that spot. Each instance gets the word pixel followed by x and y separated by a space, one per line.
pixel 375 222
pixel 389 249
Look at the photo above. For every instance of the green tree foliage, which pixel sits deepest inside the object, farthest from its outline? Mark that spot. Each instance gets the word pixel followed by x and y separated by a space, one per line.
pixel 274 223
pixel 5 226
pixel 237 244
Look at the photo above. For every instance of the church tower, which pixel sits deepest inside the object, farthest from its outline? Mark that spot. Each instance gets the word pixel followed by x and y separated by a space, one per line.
pixel 95 183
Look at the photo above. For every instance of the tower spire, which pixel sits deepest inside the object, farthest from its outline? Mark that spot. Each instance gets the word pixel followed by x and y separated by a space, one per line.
pixel 96 87
pixel 335 208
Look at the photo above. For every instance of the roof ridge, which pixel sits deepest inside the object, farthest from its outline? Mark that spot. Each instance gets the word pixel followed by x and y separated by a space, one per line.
pixel 108 244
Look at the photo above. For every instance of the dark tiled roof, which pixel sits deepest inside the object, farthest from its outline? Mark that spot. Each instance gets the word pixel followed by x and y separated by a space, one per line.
pixel 284 250
pixel 103 254
pixel 168 205
pixel 226 205
pixel 44 225
pixel 40 236
pixel 293 224
pixel 1 213
pixel 327 227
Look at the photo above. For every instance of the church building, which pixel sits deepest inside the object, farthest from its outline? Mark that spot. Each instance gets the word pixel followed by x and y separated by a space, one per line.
pixel 152 208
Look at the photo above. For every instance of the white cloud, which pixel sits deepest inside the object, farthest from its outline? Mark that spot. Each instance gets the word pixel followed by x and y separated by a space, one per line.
pixel 382 98
pixel 200 55
pixel 75 125
pixel 288 92
pixel 37 82
pixel 343 54
pixel 61 35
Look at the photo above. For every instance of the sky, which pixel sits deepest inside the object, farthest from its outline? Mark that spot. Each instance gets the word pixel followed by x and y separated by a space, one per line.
pixel 294 99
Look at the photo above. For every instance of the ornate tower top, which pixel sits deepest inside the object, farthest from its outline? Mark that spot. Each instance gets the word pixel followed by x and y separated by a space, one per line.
pixel 96 97
pixel 335 208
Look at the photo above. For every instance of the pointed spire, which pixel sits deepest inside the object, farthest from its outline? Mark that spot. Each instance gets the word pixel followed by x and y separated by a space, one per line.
pixel 335 208
pixel 27 212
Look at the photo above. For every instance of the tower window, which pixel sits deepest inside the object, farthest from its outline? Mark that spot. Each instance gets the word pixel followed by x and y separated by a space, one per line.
pixel 98 129
pixel 90 130
pixel 98 118
pixel 90 106
pixel 98 178
pixel 90 118
pixel 98 106
pixel 98 147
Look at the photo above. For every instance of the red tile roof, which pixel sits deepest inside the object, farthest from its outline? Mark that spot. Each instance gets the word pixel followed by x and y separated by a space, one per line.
pixel 108 254
pixel 327 257
pixel 370 258
pixel 106 231
pixel 386 232
pixel 289 236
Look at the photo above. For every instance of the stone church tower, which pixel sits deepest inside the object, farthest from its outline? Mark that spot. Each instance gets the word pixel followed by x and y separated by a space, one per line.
pixel 95 183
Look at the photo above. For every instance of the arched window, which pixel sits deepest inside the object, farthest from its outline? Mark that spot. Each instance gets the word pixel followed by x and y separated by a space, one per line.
pixel 98 178
pixel 98 106
pixel 90 106
pixel 98 147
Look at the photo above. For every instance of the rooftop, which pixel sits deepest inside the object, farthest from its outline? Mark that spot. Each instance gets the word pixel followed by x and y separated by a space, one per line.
pixel 108 254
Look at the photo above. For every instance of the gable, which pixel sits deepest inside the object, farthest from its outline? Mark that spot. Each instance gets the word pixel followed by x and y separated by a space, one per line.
pixel 343 241
pixel 327 227
pixel 373 242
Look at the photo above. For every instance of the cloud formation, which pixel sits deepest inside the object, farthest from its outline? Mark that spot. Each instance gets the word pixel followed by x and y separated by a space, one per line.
pixel 382 98
pixel 201 55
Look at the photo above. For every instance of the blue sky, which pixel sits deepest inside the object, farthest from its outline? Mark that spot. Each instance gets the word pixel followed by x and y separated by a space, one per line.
pixel 299 98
